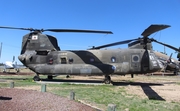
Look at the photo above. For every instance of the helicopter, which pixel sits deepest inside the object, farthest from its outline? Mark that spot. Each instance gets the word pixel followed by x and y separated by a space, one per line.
pixel 41 54
pixel 11 65
pixel 168 62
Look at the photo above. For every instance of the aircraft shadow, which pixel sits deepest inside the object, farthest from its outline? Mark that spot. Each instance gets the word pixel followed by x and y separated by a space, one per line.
pixel 5 98
pixel 126 83
pixel 9 73
pixel 166 74
pixel 15 73
pixel 15 79
pixel 73 81
pixel 150 93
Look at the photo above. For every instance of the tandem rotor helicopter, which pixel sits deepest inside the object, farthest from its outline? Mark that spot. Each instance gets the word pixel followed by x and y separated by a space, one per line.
pixel 41 54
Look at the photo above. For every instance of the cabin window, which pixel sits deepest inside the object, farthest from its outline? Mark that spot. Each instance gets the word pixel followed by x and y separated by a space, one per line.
pixel 63 60
pixel 50 61
pixel 113 59
pixel 70 60
pixel 91 59
pixel 42 52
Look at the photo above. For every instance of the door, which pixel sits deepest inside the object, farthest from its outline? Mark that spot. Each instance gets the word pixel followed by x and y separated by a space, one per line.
pixel 145 61
pixel 135 62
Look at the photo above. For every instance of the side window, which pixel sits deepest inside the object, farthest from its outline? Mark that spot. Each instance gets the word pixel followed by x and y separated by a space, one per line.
pixel 91 59
pixel 50 61
pixel 113 59
pixel 71 60
pixel 63 60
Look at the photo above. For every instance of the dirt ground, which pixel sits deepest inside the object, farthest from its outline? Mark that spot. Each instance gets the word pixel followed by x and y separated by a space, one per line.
pixel 162 87
pixel 31 100
pixel 166 87
pixel 157 86
pixel 153 87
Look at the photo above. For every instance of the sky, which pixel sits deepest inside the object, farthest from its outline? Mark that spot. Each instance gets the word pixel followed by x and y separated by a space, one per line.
pixel 127 19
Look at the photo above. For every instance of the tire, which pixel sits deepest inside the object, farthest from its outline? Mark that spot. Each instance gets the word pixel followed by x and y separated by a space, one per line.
pixel 36 78
pixel 107 80
pixel 50 77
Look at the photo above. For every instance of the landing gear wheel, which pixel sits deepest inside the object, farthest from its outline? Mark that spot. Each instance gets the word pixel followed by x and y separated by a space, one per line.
pixel 67 76
pixel 107 79
pixel 36 78
pixel 50 77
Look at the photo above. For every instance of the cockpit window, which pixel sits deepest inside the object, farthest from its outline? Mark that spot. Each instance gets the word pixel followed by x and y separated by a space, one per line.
pixel 152 56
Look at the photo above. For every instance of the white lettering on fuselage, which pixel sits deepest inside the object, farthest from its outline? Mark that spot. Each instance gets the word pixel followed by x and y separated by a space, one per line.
pixel 63 53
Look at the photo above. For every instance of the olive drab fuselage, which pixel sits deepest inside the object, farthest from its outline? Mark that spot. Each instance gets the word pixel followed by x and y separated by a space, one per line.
pixel 93 62
pixel 41 54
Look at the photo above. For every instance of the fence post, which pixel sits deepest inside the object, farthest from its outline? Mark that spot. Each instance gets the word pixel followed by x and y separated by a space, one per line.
pixel 12 84
pixel 111 107
pixel 72 95
pixel 43 87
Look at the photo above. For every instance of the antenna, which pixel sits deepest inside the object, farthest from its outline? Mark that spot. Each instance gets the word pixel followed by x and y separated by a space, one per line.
pixel 165 50
pixel 13 58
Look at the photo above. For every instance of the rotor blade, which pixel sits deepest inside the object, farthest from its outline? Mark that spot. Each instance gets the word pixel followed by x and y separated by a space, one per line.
pixel 77 30
pixel 16 28
pixel 153 28
pixel 113 44
pixel 60 30
pixel 174 48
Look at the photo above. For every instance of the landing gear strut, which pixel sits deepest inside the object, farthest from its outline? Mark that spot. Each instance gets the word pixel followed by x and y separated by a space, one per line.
pixel 132 75
pixel 107 79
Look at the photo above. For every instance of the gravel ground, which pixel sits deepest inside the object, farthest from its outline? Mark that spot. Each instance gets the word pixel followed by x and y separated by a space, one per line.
pixel 12 99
